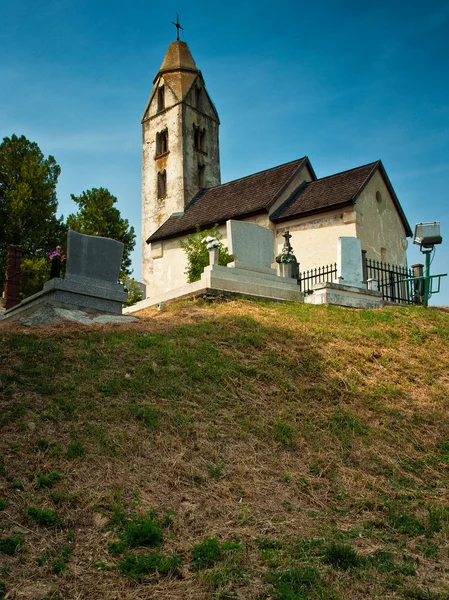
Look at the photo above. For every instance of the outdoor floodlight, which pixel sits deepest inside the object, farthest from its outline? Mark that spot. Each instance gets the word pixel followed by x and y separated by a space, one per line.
pixel 427 235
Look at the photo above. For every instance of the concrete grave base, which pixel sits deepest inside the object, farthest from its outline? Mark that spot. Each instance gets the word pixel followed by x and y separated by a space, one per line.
pixel 49 312
pixel 254 283
pixel 103 298
pixel 344 295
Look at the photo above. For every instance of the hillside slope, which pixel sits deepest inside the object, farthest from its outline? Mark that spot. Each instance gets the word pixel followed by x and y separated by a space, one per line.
pixel 230 451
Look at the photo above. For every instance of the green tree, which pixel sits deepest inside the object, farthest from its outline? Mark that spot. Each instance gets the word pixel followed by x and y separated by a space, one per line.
pixel 97 215
pixel 198 254
pixel 28 202
pixel 135 294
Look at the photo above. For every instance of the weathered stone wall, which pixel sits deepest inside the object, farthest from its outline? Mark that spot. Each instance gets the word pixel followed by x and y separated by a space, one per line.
pixel 378 225
pixel 180 162
pixel 154 210
pixel 205 118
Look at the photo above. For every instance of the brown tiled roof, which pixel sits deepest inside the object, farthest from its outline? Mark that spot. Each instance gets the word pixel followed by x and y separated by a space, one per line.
pixel 178 57
pixel 324 193
pixel 232 200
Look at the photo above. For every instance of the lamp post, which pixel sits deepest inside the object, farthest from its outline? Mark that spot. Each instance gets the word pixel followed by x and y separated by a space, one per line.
pixel 427 236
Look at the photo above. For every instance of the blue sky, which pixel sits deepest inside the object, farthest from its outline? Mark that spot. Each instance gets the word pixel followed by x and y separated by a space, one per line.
pixel 343 82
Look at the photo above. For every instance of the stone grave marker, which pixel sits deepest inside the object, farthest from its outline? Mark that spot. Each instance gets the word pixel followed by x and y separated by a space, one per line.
pixel 349 262
pixel 251 245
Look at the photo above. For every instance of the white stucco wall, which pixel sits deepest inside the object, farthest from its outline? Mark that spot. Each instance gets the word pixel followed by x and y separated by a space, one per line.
pixel 314 238
pixel 378 225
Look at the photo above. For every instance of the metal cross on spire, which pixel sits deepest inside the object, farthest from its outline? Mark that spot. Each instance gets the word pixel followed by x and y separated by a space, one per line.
pixel 178 27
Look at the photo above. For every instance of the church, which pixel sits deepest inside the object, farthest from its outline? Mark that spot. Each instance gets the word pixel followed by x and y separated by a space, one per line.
pixel 182 189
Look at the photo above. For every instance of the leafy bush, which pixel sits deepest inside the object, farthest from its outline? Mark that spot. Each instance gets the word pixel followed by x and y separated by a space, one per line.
pixel 137 566
pixel 135 293
pixel 35 272
pixel 198 254
pixel 2 504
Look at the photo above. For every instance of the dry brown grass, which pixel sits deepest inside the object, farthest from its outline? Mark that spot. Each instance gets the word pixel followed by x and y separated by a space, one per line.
pixel 364 396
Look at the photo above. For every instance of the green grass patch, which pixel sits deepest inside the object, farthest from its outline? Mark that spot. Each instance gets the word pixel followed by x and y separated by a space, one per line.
pixel 206 554
pixel 48 480
pixel 346 428
pixel 341 556
pixel 284 434
pixel 216 471
pixel 139 566
pixel 75 449
pixel 10 545
pixel 148 415
pixel 294 583
pixel 404 523
pixel 139 531
pixel 43 516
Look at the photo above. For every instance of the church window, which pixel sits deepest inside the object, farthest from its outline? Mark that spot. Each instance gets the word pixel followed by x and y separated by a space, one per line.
pixel 198 97
pixel 160 98
pixel 199 138
pixel 379 197
pixel 161 184
pixel 161 142
pixel 201 175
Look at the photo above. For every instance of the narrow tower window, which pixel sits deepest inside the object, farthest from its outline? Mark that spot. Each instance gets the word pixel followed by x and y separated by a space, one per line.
pixel 199 138
pixel 203 140
pixel 201 175
pixel 161 184
pixel 161 142
pixel 161 98
pixel 198 97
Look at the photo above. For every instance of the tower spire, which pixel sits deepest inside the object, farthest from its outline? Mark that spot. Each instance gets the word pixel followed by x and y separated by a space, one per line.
pixel 178 27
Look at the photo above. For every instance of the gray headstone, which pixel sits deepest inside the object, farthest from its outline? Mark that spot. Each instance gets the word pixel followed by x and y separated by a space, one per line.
pixel 93 257
pixel 250 243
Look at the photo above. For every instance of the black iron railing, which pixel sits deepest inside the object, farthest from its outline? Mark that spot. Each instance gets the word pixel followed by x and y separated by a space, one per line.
pixel 320 274
pixel 390 279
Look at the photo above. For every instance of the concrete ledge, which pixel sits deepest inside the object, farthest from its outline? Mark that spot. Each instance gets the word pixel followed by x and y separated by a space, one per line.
pixel 216 281
pixel 65 294
pixel 344 295
pixel 85 287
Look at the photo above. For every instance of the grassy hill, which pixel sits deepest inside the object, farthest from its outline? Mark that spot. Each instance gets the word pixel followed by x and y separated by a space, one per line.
pixel 227 451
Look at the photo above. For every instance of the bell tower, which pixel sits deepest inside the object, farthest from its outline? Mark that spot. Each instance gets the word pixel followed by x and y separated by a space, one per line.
pixel 180 151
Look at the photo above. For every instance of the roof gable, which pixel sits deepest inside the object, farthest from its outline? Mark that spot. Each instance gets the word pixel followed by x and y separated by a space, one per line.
pixel 327 192
pixel 333 191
